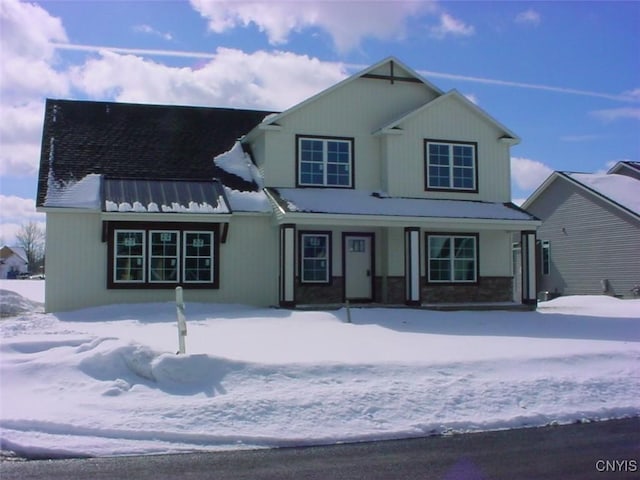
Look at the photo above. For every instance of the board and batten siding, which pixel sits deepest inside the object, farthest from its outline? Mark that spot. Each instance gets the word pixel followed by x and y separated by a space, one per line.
pixel 76 253
pixel 590 241
pixel 354 110
pixel 448 120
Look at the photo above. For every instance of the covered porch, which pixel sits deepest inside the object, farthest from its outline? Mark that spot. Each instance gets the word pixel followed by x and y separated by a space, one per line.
pixel 374 250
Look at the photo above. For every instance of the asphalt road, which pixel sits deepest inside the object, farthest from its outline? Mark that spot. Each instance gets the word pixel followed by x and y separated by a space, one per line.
pixel 601 450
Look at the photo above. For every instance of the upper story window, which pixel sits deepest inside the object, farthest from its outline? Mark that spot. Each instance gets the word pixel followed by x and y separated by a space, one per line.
pixel 325 162
pixel 451 166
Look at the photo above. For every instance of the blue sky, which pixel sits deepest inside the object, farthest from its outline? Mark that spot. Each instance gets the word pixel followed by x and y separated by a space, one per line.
pixel 565 76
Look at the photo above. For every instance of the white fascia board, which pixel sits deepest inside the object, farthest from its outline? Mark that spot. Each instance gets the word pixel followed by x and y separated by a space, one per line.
pixel 66 210
pixel 350 79
pixel 166 217
pixel 328 219
pixel 538 191
pixel 509 137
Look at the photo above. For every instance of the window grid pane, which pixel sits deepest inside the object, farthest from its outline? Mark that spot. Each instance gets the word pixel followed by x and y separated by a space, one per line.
pixel 325 162
pixel 198 257
pixel 163 260
pixel 315 258
pixel 129 256
pixel 451 166
pixel 457 264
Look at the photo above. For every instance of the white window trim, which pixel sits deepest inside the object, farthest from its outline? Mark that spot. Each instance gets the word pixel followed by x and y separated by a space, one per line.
pixel 327 258
pixel 325 162
pixel 211 256
pixel 116 256
pixel 452 258
pixel 451 186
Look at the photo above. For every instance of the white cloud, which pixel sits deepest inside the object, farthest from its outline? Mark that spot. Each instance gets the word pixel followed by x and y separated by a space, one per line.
pixel 347 22
pixel 20 134
pixel 450 26
pixel 528 174
pixel 15 212
pixel 528 17
pixel 612 114
pixel 26 31
pixel 148 29
pixel 269 80
pixel 28 73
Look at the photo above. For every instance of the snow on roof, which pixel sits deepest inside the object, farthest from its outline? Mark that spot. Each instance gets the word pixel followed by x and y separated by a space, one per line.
pixel 359 202
pixel 167 196
pixel 622 189
pixel 15 250
pixel 84 193
pixel 247 201
pixel 235 161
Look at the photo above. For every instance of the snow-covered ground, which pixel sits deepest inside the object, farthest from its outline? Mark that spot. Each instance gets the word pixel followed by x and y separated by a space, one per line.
pixel 107 381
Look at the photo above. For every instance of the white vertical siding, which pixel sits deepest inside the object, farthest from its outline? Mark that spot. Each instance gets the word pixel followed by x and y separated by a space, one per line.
pixel 77 265
pixel 495 253
pixel 356 110
pixel 448 120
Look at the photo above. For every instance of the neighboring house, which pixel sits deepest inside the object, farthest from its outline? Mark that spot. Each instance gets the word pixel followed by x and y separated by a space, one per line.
pixel 590 235
pixel 381 188
pixel 13 261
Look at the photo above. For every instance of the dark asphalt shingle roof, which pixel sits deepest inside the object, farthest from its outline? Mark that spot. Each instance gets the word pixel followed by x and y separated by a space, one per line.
pixel 139 141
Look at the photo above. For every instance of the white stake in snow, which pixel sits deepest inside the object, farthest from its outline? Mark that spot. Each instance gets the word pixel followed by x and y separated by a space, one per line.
pixel 182 322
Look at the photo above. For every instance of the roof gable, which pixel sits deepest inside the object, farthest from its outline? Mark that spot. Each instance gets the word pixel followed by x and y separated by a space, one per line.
pixel 390 69
pixel 626 167
pixel 82 138
pixel 452 95
pixel 621 191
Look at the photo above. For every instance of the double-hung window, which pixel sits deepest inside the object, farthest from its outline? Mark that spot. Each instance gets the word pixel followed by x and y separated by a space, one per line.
pixel 452 258
pixel 450 166
pixel 325 162
pixel 198 257
pixel 315 258
pixel 129 256
pixel 164 256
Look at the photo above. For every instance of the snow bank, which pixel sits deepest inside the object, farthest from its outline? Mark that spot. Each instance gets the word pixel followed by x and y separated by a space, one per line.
pixel 266 377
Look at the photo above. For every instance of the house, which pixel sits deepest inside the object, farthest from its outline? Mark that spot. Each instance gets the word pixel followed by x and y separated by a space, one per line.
pixel 382 188
pixel 13 261
pixel 590 231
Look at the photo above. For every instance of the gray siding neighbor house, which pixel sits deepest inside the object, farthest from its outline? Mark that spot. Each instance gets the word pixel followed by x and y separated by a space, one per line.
pixel 590 236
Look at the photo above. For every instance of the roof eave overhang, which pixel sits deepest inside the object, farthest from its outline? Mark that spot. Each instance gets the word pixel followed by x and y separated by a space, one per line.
pixel 332 219
pixel 166 217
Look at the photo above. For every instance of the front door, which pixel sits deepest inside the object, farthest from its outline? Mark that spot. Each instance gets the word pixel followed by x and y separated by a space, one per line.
pixel 358 266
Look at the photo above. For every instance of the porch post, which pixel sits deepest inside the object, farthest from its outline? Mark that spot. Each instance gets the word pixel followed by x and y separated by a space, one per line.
pixel 528 252
pixel 287 265
pixel 412 265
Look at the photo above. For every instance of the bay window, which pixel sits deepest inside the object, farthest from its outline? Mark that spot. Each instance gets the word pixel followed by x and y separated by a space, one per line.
pixel 163 255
